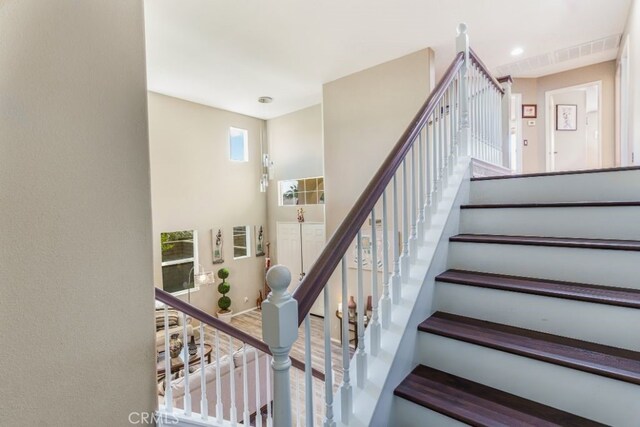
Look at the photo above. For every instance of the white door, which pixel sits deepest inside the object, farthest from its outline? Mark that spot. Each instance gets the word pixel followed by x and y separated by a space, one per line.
pixel 288 253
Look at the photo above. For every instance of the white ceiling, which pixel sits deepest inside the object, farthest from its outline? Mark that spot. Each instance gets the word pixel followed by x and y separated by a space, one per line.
pixel 227 53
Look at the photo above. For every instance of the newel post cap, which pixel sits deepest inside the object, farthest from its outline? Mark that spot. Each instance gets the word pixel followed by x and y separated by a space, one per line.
pixel 279 310
pixel 462 28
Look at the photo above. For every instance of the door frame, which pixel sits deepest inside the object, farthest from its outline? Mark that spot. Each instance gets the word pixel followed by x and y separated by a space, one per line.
pixel 519 159
pixel 550 119
pixel 624 145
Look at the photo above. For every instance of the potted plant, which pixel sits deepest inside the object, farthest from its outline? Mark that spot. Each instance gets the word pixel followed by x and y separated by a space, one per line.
pixel 224 303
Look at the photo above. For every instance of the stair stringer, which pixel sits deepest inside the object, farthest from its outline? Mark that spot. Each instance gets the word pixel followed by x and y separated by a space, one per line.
pixel 373 404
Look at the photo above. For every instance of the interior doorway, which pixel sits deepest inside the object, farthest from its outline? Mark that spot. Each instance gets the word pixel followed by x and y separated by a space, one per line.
pixel 573 122
pixel 289 254
pixel 515 134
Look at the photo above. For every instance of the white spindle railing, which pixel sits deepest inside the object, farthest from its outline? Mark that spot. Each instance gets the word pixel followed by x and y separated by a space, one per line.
pixel 463 117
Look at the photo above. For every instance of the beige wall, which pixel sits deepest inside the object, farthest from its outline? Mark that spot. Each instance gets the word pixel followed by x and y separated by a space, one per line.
pixel 533 92
pixel 364 115
pixel 295 147
pixel 196 187
pixel 632 36
pixel 78 341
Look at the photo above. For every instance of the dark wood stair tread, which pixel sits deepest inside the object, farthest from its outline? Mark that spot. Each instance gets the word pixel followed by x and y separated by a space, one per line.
pixel 612 362
pixel 480 405
pixel 552 205
pixel 610 295
pixel 567 242
pixel 575 172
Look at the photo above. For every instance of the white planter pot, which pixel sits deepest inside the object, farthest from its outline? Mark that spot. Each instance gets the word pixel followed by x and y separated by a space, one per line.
pixel 225 317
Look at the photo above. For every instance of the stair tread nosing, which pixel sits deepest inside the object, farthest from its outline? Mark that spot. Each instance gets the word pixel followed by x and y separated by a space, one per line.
pixel 611 362
pixel 568 242
pixel 552 205
pixel 611 295
pixel 479 405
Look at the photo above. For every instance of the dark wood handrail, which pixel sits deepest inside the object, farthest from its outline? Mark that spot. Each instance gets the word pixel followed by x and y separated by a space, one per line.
pixel 483 68
pixel 196 313
pixel 316 279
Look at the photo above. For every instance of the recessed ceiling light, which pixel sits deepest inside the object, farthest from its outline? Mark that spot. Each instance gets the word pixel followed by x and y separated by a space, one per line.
pixel 265 100
pixel 517 51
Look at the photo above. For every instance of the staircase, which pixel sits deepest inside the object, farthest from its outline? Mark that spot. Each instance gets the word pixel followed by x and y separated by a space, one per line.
pixel 536 322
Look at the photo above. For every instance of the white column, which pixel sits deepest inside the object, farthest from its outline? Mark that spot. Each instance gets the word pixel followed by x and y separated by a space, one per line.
pixel 279 332
pixel 462 45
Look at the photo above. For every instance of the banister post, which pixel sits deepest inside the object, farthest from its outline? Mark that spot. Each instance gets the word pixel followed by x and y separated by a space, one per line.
pixel 462 45
pixel 279 332
pixel 506 121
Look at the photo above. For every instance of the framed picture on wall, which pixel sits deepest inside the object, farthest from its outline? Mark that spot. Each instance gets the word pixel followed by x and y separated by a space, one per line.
pixel 566 117
pixel 217 242
pixel 529 111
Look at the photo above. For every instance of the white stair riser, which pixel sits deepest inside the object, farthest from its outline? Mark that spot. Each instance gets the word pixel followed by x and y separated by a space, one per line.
pixel 593 266
pixel 409 414
pixel 620 222
pixel 591 396
pixel 606 186
pixel 599 323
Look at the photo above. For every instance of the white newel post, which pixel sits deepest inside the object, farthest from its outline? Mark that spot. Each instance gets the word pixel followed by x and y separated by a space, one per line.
pixel 279 332
pixel 506 122
pixel 462 45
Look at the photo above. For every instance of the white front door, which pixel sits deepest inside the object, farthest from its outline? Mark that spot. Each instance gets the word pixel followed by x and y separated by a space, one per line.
pixel 288 253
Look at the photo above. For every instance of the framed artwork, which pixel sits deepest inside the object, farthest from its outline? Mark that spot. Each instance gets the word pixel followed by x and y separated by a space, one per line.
pixel 529 111
pixel 217 245
pixel 566 117
pixel 259 233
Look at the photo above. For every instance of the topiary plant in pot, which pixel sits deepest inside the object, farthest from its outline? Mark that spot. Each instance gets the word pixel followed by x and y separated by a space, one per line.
pixel 224 303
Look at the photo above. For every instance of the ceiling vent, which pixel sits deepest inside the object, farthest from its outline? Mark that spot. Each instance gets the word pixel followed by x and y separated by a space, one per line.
pixel 529 65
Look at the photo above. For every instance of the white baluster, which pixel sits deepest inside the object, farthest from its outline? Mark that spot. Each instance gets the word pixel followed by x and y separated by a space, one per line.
pixel 428 142
pixel 204 404
pixel 452 135
pixel 280 331
pixel 413 237
pixel 404 258
pixel 168 392
pixel 298 411
pixel 245 386
pixel 345 388
pixel 219 408
pixel 361 356
pixel 232 387
pixel 257 373
pixel 268 371
pixel 462 45
pixel 374 323
pixel 441 152
pixel 328 368
pixel 308 371
pixel 185 349
pixel 386 300
pixel 421 208
pixel 436 156
pixel 395 278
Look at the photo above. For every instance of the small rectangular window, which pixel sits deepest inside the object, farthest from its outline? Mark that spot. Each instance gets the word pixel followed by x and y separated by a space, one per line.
pixel 179 256
pixel 241 241
pixel 304 191
pixel 238 145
